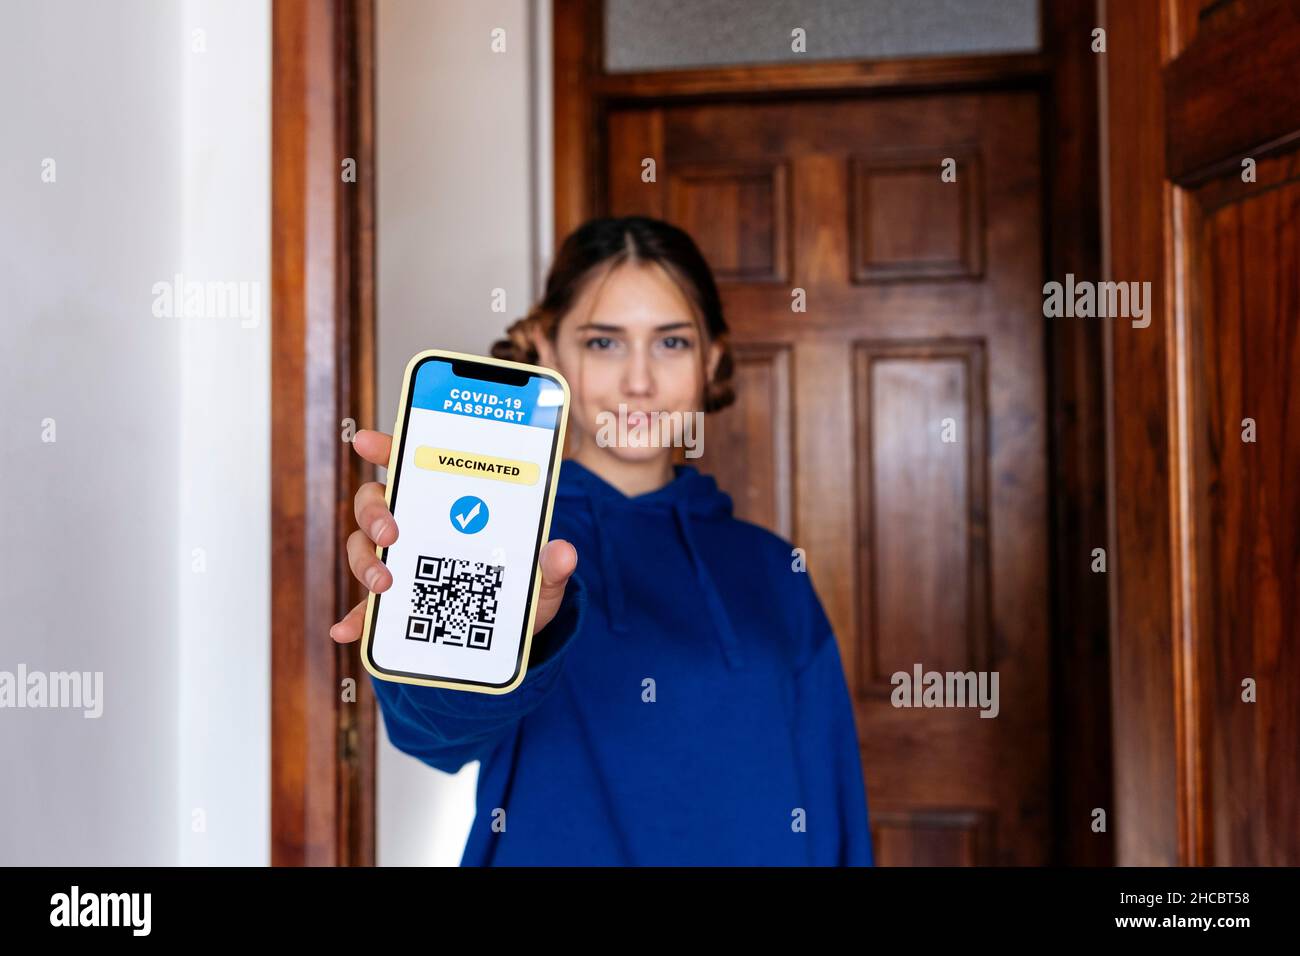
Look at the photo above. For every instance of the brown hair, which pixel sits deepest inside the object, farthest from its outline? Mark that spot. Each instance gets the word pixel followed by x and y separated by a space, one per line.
pixel 637 239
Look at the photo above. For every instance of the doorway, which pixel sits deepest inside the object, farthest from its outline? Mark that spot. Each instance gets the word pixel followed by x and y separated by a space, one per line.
pixel 906 418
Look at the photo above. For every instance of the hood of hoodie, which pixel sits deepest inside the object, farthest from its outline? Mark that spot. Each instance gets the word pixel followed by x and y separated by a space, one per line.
pixel 691 495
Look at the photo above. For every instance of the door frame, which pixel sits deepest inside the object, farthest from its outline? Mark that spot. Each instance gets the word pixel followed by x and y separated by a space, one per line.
pixel 322 377
pixel 1065 74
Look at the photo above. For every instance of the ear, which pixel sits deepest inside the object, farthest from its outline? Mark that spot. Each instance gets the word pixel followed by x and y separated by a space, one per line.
pixel 545 349
pixel 715 356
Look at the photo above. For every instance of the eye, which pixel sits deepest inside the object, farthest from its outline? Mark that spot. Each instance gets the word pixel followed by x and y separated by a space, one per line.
pixel 677 342
pixel 599 343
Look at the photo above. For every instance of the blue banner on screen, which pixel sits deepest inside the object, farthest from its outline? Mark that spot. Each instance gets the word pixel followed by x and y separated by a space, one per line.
pixel 438 389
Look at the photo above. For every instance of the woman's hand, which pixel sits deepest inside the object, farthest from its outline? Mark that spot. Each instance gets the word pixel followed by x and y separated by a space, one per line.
pixel 376 527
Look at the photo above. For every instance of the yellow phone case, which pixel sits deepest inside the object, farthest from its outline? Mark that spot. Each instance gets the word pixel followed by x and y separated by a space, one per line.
pixel 557 453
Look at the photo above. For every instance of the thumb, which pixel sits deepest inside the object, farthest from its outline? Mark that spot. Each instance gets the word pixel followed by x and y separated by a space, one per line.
pixel 559 560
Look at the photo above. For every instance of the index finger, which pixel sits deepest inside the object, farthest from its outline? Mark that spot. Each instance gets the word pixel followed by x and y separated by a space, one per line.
pixel 373 446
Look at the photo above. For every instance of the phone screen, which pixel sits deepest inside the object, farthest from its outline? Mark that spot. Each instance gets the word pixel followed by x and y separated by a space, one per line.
pixel 470 494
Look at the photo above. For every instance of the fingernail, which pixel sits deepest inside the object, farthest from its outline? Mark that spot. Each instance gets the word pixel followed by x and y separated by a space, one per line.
pixel 377 529
pixel 333 630
pixel 373 577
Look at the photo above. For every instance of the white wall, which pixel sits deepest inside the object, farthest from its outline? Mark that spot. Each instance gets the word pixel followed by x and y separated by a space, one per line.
pixel 464 200
pixel 160 432
pixel 222 568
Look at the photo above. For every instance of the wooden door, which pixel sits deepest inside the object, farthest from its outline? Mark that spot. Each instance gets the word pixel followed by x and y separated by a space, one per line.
pixel 1205 205
pixel 894 426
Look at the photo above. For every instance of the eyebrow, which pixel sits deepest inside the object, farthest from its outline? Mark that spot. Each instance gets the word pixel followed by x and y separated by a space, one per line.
pixel 597 327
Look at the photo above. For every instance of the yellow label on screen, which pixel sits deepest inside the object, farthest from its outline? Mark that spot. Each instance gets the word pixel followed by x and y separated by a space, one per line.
pixel 476 466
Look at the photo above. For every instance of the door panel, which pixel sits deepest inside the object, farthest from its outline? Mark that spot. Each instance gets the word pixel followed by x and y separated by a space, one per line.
pixel 1249 507
pixel 894 428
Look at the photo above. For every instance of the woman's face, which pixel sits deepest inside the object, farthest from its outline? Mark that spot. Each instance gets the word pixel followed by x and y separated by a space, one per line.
pixel 629 339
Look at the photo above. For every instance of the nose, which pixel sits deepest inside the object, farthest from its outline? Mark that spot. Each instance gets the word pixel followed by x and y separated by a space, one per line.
pixel 637 376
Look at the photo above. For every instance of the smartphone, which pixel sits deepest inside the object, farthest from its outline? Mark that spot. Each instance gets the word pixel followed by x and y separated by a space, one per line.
pixel 471 485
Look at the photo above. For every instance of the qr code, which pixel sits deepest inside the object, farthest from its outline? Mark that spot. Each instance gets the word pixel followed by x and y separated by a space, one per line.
pixel 454 602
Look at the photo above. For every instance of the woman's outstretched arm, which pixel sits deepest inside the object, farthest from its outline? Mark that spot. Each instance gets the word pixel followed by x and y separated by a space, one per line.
pixel 449 728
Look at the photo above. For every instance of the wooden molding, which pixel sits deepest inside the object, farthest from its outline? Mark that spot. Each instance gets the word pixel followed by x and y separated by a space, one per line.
pixel 1082 752
pixel 578 40
pixel 1152 819
pixel 833 76
pixel 322 338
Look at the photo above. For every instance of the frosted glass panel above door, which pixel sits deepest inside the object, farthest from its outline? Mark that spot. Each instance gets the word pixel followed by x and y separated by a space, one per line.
pixel 678 34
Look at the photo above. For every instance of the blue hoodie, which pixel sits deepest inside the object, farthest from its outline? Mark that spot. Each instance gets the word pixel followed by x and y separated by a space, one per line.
pixel 686 705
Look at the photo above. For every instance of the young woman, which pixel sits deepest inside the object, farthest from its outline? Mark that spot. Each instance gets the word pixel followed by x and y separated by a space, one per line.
pixel 685 702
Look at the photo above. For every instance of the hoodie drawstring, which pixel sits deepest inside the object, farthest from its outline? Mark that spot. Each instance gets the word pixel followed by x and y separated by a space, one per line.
pixel 614 605
pixel 615 601
pixel 726 634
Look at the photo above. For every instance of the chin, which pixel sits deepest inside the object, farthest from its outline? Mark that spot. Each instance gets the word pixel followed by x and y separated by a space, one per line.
pixel 631 454
pixel 634 455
